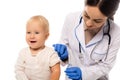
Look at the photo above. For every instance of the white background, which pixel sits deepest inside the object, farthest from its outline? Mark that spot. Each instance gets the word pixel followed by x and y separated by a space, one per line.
pixel 13 17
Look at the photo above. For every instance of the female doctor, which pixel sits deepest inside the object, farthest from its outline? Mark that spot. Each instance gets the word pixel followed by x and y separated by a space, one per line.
pixel 90 41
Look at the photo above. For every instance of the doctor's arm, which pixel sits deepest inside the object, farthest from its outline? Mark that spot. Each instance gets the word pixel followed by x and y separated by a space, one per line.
pixel 61 47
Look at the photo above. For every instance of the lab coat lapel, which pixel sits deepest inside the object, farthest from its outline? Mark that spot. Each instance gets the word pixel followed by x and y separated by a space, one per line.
pixel 98 37
pixel 80 35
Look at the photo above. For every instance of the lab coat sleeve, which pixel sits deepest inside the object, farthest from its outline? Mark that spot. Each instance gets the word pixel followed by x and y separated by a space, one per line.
pixel 68 26
pixel 65 34
pixel 19 68
pixel 96 71
pixel 65 30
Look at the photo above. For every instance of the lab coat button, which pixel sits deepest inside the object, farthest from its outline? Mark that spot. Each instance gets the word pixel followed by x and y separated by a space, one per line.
pixel 80 56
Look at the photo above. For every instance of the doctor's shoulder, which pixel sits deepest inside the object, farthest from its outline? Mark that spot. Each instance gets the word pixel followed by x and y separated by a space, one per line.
pixel 114 29
pixel 74 15
pixel 72 20
pixel 77 13
pixel 115 32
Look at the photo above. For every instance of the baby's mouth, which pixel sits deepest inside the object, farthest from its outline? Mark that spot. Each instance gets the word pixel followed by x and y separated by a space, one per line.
pixel 33 41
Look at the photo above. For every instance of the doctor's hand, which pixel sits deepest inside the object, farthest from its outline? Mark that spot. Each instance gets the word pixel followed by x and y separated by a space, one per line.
pixel 74 73
pixel 62 51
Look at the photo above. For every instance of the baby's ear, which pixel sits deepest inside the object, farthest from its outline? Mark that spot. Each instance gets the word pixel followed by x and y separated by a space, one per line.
pixel 47 35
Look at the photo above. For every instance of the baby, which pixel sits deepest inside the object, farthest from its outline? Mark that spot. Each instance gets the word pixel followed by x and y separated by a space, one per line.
pixel 37 62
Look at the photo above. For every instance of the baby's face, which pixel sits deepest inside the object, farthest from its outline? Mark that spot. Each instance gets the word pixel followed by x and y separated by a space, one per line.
pixel 35 35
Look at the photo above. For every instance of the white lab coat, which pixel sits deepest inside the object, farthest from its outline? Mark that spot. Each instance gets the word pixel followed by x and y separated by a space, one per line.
pixel 97 67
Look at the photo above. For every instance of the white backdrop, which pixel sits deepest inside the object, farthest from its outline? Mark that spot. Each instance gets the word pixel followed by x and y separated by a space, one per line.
pixel 13 17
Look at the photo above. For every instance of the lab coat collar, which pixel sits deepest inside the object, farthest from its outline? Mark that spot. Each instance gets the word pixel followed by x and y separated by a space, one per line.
pixel 98 37
pixel 81 36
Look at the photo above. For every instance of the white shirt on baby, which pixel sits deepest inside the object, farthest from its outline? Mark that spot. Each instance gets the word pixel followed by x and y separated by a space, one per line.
pixel 35 67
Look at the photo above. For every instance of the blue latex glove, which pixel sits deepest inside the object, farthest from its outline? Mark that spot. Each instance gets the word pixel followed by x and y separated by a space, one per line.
pixel 62 51
pixel 74 73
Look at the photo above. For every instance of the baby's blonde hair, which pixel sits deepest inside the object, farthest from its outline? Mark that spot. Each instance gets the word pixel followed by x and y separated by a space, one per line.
pixel 42 20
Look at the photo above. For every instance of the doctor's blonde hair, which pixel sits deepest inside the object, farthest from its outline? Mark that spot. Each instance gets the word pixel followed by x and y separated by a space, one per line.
pixel 41 20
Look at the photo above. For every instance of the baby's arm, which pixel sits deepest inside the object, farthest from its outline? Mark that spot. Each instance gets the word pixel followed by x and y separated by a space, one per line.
pixel 19 68
pixel 55 72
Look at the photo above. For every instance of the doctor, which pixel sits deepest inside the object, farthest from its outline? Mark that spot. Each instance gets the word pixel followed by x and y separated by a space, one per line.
pixel 90 41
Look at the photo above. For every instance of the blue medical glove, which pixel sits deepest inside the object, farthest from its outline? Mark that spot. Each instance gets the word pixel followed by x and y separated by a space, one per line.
pixel 74 73
pixel 62 51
